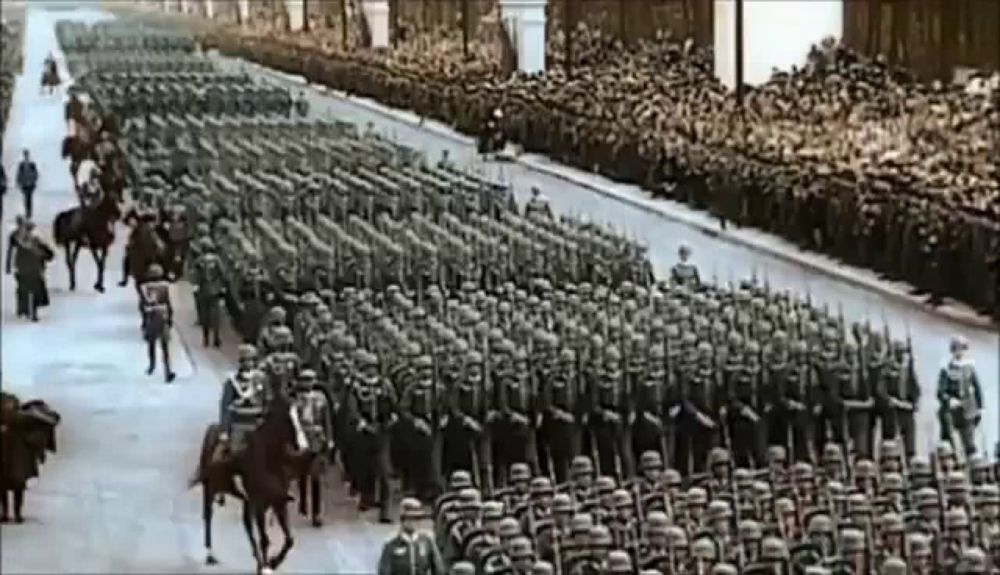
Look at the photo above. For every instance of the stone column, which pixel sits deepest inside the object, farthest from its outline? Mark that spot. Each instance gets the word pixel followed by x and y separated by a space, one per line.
pixel 296 14
pixel 185 6
pixel 525 22
pixel 244 8
pixel 210 9
pixel 377 14
pixel 777 34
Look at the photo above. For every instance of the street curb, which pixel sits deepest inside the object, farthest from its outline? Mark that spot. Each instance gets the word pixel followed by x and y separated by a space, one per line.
pixel 813 261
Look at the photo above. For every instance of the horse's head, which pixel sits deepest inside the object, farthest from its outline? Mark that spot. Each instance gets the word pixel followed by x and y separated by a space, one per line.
pixel 281 426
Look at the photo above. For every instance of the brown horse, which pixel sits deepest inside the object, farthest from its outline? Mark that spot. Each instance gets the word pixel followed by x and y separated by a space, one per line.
pixel 264 468
pixel 146 246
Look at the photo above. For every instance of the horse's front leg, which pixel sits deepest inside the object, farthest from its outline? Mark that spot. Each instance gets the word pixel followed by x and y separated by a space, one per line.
pixel 248 520
pixel 206 514
pixel 100 256
pixel 72 250
pixel 281 511
pixel 265 541
pixel 125 268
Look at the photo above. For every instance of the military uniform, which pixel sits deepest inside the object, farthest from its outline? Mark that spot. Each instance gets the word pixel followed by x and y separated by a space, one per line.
pixel 209 290
pixel 371 410
pixel 241 407
pixel 418 432
pixel 960 397
pixel 315 417
pixel 158 319
pixel 410 553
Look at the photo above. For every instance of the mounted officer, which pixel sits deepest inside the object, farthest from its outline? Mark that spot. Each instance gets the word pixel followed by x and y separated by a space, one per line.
pixel 241 407
pixel 960 397
pixel 158 317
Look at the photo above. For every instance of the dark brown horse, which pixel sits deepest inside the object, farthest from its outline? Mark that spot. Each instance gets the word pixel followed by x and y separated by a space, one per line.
pixel 264 467
pixel 76 148
pixel 91 226
pixel 146 246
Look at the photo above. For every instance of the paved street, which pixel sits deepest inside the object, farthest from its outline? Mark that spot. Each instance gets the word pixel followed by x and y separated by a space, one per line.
pixel 114 497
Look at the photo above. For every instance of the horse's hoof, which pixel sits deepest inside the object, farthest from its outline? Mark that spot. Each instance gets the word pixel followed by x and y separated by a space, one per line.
pixel 266 571
pixel 211 560
pixel 99 288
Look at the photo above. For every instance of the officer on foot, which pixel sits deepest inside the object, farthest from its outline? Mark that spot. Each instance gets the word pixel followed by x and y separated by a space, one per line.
pixel 685 273
pixel 409 552
pixel 158 314
pixel 960 397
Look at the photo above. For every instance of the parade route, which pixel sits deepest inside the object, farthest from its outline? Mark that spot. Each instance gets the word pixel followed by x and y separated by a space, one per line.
pixel 115 496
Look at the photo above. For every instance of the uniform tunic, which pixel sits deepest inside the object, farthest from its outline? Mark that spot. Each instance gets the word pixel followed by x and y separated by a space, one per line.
pixel 413 554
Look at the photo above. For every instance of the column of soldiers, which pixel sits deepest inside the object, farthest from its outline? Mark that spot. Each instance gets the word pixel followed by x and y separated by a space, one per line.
pixel 847 156
pixel 427 326
pixel 893 516
pixel 12 42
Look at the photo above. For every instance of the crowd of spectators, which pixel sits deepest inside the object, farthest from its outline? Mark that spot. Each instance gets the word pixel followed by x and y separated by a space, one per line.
pixel 846 156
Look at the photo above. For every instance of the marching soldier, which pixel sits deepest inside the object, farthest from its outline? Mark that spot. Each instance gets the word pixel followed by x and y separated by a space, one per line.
pixel 276 318
pixel 960 397
pixel 901 397
pixel 558 431
pixel 158 318
pixel 742 416
pixel 513 421
pixel 315 417
pixel 465 437
pixel 410 552
pixel 418 433
pixel 210 288
pixel 828 410
pixel 698 427
pixel 648 429
pixel 607 419
pixel 371 410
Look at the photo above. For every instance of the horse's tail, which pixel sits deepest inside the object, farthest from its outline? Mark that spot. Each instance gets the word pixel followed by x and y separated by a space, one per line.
pixel 208 444
pixel 62 227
